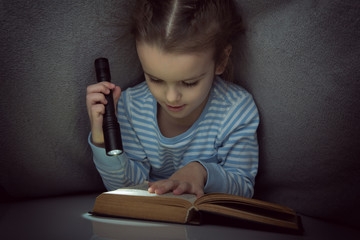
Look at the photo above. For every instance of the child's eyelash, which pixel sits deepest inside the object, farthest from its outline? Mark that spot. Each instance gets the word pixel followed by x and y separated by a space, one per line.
pixel 155 80
pixel 186 84
pixel 191 84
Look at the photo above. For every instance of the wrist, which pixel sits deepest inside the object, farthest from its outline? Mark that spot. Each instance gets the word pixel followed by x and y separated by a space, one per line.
pixel 100 145
pixel 98 141
pixel 202 170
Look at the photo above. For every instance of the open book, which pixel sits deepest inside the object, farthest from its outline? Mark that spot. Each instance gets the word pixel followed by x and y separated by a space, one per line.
pixel 137 202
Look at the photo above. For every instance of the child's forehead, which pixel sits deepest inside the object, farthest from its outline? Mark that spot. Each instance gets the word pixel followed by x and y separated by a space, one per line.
pixel 176 66
pixel 153 52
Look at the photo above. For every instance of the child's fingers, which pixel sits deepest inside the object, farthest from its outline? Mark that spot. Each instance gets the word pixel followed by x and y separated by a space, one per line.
pixel 95 98
pixel 185 187
pixel 97 111
pixel 95 105
pixel 102 87
pixel 182 187
pixel 96 119
pixel 157 187
pixel 95 102
pixel 162 186
pixel 95 94
pixel 199 192
pixel 175 186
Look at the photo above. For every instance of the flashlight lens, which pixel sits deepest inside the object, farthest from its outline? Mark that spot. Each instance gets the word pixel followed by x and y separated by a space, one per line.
pixel 114 152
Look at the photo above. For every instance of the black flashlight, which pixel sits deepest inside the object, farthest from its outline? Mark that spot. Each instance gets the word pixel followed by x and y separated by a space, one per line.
pixel 111 127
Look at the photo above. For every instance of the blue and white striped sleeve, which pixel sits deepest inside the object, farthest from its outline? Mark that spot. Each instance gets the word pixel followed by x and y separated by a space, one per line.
pixel 237 161
pixel 126 169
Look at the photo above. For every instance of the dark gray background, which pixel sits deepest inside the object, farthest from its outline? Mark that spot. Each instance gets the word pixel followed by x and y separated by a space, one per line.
pixel 300 60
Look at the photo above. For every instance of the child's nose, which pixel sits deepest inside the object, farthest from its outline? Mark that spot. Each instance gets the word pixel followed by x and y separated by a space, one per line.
pixel 172 95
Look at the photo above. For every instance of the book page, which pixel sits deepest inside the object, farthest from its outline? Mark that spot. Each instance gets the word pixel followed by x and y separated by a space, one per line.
pixel 142 190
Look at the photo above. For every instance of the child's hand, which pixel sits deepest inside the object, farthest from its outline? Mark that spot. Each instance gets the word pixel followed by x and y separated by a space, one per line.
pixel 95 103
pixel 189 179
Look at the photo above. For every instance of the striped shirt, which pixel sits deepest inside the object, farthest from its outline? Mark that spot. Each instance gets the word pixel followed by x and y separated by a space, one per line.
pixel 223 140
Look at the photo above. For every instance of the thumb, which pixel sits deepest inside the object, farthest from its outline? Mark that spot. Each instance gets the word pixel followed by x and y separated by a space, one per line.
pixel 199 193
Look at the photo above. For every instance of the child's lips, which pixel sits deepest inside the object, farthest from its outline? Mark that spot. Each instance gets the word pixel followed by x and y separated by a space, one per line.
pixel 175 108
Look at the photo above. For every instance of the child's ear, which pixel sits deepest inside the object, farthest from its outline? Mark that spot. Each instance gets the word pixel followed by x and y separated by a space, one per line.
pixel 221 66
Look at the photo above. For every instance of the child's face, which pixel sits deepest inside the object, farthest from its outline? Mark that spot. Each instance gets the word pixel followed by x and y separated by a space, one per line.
pixel 180 82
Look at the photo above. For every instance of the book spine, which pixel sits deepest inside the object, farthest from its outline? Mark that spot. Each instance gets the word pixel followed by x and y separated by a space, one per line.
pixel 193 216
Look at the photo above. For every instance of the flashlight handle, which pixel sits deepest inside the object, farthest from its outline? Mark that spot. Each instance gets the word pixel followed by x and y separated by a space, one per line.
pixel 111 127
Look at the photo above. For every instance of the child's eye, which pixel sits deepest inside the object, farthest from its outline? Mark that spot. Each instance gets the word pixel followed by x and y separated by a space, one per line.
pixel 190 84
pixel 157 81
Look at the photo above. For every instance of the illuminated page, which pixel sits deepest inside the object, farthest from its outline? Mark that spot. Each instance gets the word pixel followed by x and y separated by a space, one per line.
pixel 142 190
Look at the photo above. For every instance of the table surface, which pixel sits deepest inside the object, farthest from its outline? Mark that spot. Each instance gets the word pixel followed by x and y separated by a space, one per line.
pixel 67 218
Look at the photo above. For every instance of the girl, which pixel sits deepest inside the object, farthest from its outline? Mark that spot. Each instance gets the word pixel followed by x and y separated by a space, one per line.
pixel 184 128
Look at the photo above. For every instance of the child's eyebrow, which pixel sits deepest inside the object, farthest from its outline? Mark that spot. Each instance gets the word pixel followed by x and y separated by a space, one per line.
pixel 183 80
